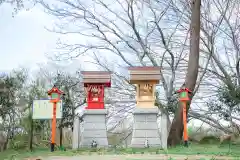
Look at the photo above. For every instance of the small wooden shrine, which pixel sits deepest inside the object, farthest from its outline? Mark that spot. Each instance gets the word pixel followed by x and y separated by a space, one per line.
pixel 145 79
pixel 55 94
pixel 184 93
pixel 94 84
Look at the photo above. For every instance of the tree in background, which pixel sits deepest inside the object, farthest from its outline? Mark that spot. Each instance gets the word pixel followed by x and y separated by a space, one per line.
pixel 176 132
pixel 9 111
pixel 70 86
pixel 225 106
pixel 139 33
pixel 17 4
pixel 219 39
pixel 156 33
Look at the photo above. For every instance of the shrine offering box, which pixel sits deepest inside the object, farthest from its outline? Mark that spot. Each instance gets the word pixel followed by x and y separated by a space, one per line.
pixel 94 84
pixel 145 79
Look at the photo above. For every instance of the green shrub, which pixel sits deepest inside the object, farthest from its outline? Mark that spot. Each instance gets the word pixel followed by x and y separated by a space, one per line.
pixel 19 141
pixel 209 140
pixel 190 130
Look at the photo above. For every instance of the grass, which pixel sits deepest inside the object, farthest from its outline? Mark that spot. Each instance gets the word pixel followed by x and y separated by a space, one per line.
pixel 193 149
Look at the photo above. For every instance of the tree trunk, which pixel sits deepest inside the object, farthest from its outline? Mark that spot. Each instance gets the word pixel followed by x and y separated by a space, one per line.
pixel 61 133
pixel 61 136
pixel 176 131
pixel 5 144
pixel 30 133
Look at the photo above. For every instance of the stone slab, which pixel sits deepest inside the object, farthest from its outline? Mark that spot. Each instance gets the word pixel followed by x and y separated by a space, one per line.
pixel 147 126
pixel 94 128
pixel 142 133
pixel 102 142
pixel 140 142
pixel 94 133
pixel 150 117
pixel 163 128
pixel 76 133
pixel 144 110
pixel 148 131
pixel 94 118
pixel 95 111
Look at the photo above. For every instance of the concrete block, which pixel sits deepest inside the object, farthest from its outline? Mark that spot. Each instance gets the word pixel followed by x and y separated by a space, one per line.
pixel 94 128
pixel 139 133
pixel 94 133
pixel 102 142
pixel 146 110
pixel 145 117
pixel 140 142
pixel 76 134
pixel 152 141
pixel 163 130
pixel 145 128
pixel 93 118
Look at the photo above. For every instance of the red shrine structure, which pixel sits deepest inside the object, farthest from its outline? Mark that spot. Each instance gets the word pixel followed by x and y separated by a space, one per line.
pixel 184 93
pixel 55 94
pixel 94 84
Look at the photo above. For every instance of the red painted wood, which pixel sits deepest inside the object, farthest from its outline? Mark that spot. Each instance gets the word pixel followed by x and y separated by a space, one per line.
pixel 55 90
pixel 95 101
pixel 187 92
pixel 184 90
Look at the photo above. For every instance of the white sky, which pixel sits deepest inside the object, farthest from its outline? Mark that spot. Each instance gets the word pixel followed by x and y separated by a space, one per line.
pixel 25 42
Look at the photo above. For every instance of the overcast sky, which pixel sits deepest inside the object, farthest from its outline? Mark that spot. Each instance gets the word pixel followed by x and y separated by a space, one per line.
pixel 24 40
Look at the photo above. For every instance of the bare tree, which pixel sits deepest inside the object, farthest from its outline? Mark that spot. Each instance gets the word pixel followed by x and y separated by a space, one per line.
pixel 175 134
pixel 145 33
pixel 17 5
pixel 224 65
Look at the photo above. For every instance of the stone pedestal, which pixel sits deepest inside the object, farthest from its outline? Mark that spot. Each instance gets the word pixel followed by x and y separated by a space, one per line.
pixel 163 128
pixel 145 128
pixel 94 128
pixel 76 133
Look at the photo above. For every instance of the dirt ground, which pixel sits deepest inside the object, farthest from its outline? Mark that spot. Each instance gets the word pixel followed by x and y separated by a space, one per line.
pixel 136 157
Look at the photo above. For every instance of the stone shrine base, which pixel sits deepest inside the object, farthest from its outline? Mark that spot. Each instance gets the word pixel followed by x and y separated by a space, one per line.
pixel 94 128
pixel 145 129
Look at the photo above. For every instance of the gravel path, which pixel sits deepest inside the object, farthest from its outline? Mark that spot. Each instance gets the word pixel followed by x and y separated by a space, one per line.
pixel 135 157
